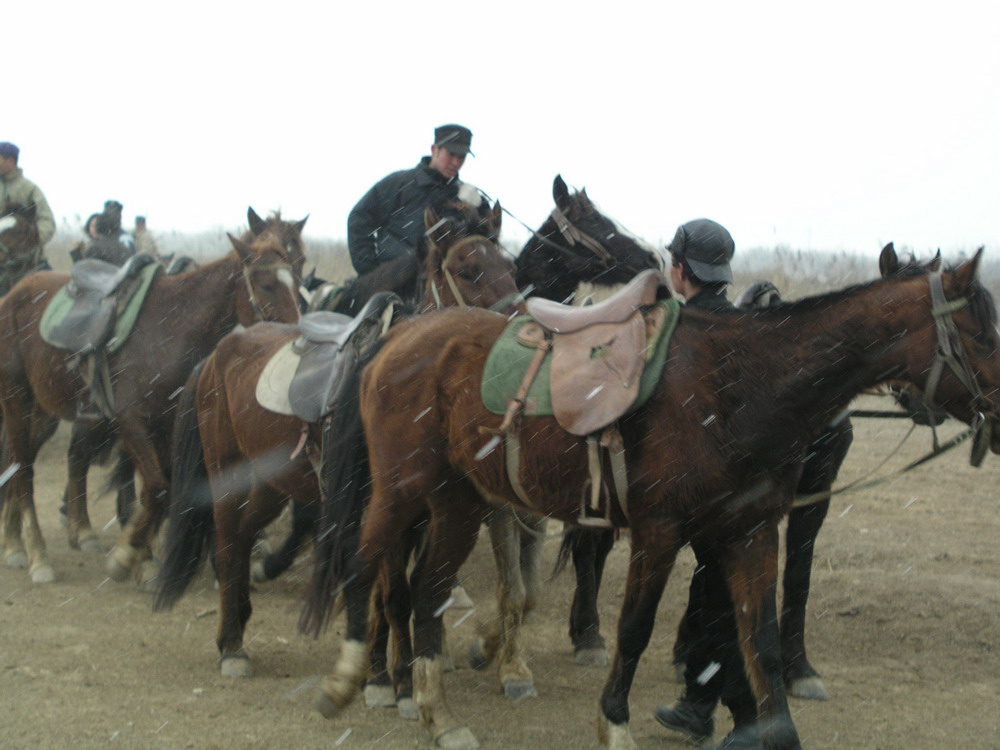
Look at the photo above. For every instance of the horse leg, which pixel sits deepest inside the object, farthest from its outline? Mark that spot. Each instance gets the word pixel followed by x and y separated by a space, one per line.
pixel 26 428
pixel 654 550
pixel 304 519
pixel 134 544
pixel 802 680
pixel 455 521
pixel 85 440
pixel 590 548
pixel 501 638
pixel 240 515
pixel 751 569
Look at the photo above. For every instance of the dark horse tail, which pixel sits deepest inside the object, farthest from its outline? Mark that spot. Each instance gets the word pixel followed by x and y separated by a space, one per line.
pixel 191 523
pixel 345 486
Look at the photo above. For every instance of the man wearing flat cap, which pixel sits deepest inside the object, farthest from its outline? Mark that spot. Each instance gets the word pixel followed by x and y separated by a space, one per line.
pixel 16 190
pixel 700 254
pixel 387 224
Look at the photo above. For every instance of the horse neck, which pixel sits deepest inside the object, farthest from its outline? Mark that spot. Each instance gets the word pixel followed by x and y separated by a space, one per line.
pixel 796 369
pixel 207 296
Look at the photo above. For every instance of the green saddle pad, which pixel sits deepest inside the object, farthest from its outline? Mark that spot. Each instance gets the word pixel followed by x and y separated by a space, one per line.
pixel 508 361
pixel 128 310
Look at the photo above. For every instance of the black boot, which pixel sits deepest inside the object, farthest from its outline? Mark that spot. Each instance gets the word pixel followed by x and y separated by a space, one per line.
pixel 742 738
pixel 689 719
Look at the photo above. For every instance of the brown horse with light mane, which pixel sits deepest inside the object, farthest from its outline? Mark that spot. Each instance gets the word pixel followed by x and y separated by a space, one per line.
pixel 256 459
pixel 182 319
pixel 713 457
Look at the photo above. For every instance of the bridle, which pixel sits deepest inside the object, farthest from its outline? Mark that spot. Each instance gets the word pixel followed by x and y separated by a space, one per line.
pixel 248 272
pixel 950 352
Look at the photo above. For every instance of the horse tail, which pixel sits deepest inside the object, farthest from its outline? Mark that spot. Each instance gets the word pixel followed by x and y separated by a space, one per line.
pixel 345 487
pixel 191 522
pixel 569 539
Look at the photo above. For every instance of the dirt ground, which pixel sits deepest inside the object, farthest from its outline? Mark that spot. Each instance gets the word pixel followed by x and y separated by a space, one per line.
pixel 904 624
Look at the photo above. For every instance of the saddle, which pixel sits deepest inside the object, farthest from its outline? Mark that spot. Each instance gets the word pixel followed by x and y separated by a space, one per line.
pixel 97 292
pixel 306 377
pixel 598 352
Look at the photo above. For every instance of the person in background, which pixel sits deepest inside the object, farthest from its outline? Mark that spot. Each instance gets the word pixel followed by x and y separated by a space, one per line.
pixel 78 251
pixel 143 238
pixel 17 190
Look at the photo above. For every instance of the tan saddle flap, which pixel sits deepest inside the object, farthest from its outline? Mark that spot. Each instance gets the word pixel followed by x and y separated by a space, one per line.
pixel 595 373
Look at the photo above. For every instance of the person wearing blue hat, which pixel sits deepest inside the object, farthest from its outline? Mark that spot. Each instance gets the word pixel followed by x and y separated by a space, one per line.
pixel 388 222
pixel 17 190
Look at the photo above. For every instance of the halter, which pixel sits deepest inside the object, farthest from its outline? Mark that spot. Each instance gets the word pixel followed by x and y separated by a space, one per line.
pixel 248 272
pixel 951 352
pixel 447 274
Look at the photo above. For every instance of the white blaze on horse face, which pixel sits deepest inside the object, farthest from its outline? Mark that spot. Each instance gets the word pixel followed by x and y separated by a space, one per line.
pixel 7 222
pixel 285 277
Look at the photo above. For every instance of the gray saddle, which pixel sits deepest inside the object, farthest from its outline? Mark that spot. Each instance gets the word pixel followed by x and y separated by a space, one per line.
pixel 94 286
pixel 329 349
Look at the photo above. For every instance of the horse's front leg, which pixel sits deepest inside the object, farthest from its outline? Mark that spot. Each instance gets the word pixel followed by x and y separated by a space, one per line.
pixel 453 532
pixel 501 638
pixel 84 441
pixel 589 548
pixel 654 550
pixel 751 569
pixel 134 544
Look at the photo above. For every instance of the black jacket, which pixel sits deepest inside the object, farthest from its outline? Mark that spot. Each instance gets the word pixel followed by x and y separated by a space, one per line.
pixel 388 222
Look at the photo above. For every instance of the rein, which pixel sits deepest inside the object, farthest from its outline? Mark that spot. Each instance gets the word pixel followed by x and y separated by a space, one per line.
pixel 949 352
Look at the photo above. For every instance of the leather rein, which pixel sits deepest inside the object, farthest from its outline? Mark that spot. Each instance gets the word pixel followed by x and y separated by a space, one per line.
pixel 950 352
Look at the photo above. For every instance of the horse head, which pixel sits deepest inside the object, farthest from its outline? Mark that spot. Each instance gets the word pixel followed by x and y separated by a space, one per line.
pixel 268 291
pixel 578 244
pixel 18 231
pixel 956 359
pixel 288 233
pixel 463 263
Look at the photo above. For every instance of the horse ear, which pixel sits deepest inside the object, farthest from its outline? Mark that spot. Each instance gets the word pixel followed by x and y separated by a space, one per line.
pixel 256 223
pixel 436 227
pixel 298 226
pixel 967 272
pixel 934 265
pixel 888 261
pixel 560 194
pixel 496 219
pixel 242 249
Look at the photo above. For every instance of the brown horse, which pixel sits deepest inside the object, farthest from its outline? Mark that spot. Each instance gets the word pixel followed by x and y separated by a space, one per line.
pixel 19 239
pixel 249 454
pixel 183 318
pixel 713 457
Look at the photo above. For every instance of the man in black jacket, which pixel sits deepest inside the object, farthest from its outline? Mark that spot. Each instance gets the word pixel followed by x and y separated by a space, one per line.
pixel 388 222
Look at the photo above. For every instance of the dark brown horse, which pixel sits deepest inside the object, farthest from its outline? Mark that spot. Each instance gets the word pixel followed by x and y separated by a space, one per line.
pixel 713 457
pixel 249 454
pixel 19 239
pixel 183 318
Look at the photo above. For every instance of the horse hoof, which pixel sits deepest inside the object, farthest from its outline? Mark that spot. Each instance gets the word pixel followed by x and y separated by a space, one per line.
pixel 614 736
pixel 115 568
pixel 380 696
pixel 808 688
pixel 408 710
pixel 43 574
pixel 460 738
pixel 519 689
pixel 326 706
pixel 236 666
pixel 477 656
pixel 91 546
pixel 257 574
pixel 16 559
pixel 591 657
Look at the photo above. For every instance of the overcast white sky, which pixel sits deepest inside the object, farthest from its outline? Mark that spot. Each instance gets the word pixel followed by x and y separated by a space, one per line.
pixel 818 126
